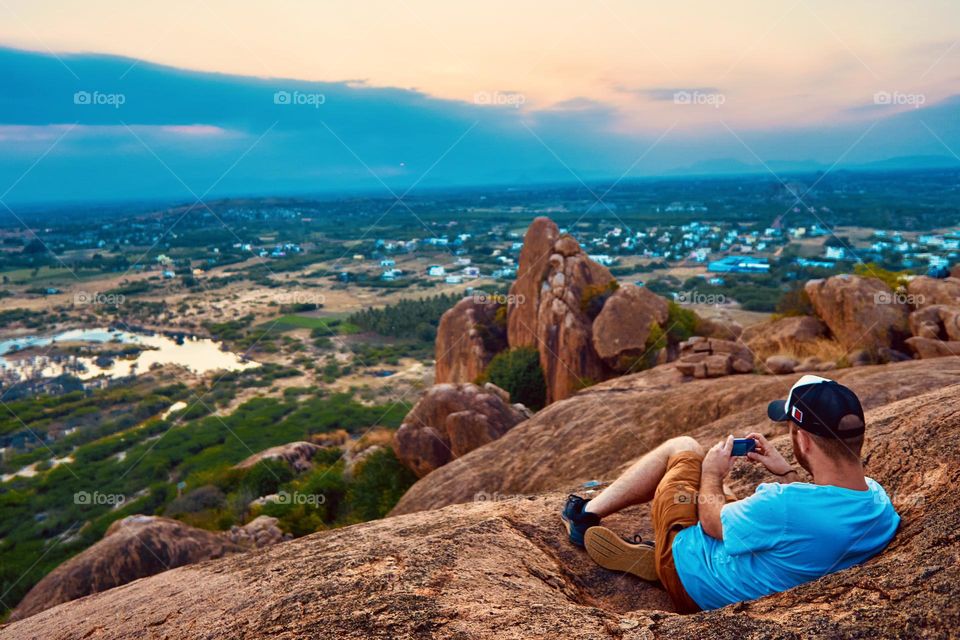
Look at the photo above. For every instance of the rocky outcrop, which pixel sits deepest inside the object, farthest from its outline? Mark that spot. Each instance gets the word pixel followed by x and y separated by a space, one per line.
pixel 862 313
pixel 298 455
pixel 463 347
pixel 452 420
pixel 564 328
pixel 524 299
pixel 794 335
pixel 723 328
pixel 936 322
pixel 780 365
pixel 608 425
pixel 932 348
pixel 134 547
pixel 260 532
pixel 924 291
pixel 501 568
pixel 712 358
pixel 622 330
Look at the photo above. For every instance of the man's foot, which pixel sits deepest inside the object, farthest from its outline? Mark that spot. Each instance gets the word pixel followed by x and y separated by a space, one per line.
pixel 577 520
pixel 610 551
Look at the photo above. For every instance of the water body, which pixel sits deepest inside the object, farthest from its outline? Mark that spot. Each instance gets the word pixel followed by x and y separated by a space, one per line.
pixel 198 355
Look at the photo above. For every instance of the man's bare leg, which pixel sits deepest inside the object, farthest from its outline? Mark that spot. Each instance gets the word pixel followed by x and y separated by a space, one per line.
pixel 638 483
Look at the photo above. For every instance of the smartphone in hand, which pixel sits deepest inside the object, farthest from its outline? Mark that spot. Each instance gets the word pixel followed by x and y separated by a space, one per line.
pixel 743 446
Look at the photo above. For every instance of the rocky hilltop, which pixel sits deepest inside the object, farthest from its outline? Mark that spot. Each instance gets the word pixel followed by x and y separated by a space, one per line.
pixel 500 567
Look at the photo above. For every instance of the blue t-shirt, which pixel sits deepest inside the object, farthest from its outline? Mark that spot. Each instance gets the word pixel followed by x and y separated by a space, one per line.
pixel 781 536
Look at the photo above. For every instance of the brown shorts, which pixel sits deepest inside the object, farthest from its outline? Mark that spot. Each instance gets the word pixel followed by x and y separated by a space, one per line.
pixel 674 508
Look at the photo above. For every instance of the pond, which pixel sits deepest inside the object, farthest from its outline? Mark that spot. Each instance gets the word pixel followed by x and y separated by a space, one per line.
pixel 198 355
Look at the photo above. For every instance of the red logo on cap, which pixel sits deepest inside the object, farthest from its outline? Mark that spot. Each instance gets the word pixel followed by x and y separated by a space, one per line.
pixel 797 414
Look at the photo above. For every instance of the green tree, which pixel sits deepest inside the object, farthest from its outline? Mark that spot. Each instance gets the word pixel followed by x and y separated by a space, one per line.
pixel 518 372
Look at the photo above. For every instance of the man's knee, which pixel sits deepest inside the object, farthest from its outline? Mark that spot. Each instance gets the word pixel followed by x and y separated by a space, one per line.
pixel 683 443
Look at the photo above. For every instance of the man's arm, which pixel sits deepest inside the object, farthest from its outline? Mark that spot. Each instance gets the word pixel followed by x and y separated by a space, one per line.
pixel 715 467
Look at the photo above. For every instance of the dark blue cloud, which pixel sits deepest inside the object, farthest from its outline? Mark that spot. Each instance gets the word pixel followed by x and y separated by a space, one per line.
pixel 91 127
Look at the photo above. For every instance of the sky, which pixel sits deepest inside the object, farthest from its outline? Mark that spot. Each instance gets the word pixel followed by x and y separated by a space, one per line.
pixel 411 93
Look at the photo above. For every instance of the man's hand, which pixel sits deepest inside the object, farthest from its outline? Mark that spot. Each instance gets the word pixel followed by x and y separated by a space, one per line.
pixel 718 460
pixel 767 455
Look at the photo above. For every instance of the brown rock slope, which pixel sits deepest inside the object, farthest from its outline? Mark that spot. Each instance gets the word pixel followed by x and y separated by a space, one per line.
pixel 461 352
pixel 132 548
pixel 524 299
pixel 503 570
pixel 612 423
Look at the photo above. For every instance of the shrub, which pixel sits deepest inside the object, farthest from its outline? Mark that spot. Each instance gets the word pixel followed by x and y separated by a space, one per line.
pixel 518 372
pixel 795 302
pixel 893 279
pixel 379 481
pixel 200 499
pixel 595 296
pixel 681 323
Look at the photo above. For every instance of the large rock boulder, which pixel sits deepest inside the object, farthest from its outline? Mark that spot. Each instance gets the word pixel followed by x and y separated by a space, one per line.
pixel 573 284
pixel 716 327
pixel 452 420
pixel 713 358
pixel 862 313
pixel 780 365
pixel 795 335
pixel 622 330
pixel 464 336
pixel 502 568
pixel 926 348
pixel 134 547
pixel 524 299
pixel 260 532
pixel 937 322
pixel 298 455
pixel 924 291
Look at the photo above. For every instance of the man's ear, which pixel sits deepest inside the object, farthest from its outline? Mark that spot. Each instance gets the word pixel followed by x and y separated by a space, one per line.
pixel 804 441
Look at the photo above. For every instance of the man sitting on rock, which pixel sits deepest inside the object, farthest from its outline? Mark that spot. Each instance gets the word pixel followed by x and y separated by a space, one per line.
pixel 711 549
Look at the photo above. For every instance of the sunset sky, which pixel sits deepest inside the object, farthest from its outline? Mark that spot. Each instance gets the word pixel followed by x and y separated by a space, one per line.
pixel 615 66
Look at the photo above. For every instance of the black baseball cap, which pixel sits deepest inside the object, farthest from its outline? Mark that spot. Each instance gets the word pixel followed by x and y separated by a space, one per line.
pixel 819 406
